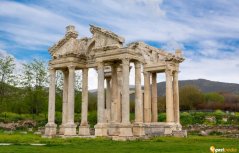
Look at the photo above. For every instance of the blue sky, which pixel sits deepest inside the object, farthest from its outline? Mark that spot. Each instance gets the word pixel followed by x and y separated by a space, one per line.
pixel 206 31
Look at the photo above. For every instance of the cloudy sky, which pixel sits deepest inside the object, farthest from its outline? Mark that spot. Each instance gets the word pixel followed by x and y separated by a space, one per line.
pixel 206 30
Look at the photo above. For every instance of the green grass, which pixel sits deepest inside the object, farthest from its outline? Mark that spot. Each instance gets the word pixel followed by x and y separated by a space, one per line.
pixel 192 144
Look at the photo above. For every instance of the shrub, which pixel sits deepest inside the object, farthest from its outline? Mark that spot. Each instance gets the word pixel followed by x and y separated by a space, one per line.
pixel 186 118
pixel 162 117
pixel 219 115
pixel 213 97
pixel 198 117
pixel 92 118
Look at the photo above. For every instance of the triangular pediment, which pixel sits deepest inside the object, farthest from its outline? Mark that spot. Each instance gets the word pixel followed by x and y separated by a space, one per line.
pixel 105 38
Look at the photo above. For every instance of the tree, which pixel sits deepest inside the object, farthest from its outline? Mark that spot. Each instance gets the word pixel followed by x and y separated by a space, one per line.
pixel 190 96
pixel 34 80
pixel 213 97
pixel 7 67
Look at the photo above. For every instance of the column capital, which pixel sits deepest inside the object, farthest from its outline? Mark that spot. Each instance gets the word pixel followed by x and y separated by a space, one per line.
pixel 137 64
pixel 125 61
pixel 114 65
pixel 100 65
pixel 71 67
pixel 176 72
pixel 146 73
pixel 51 69
pixel 65 71
pixel 169 72
pixel 108 78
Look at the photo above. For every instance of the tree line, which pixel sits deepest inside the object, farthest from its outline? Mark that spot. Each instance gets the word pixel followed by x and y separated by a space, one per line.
pixel 26 92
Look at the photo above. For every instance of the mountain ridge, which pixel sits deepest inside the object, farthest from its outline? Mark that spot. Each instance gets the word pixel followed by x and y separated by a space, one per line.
pixel 203 84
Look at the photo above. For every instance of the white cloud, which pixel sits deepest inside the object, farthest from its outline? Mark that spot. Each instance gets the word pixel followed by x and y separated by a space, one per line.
pixel 33 26
pixel 175 23
pixel 18 63
pixel 225 70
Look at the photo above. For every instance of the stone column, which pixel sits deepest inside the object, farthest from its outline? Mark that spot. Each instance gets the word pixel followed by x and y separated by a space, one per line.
pixel 64 104
pixel 50 128
pixel 176 97
pixel 119 92
pixel 138 128
pixel 154 98
pixel 125 129
pixel 169 97
pixel 114 108
pixel 101 126
pixel 70 127
pixel 147 98
pixel 108 98
pixel 84 128
pixel 138 94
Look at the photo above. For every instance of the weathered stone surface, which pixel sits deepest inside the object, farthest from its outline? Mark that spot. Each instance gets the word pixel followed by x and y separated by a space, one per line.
pixel 105 52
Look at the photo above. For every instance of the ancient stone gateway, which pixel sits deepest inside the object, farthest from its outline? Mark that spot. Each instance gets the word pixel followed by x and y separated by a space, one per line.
pixel 105 52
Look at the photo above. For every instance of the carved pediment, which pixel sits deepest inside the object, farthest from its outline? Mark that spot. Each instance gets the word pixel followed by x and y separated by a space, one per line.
pixel 149 53
pixel 69 45
pixel 105 39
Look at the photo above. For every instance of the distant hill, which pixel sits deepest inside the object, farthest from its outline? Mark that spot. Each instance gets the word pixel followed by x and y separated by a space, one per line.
pixel 203 84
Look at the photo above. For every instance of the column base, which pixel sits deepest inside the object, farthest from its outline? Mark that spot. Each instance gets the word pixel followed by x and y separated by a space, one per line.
pixel 113 129
pixel 84 130
pixel 178 126
pixel 62 129
pixel 50 130
pixel 101 129
pixel 138 129
pixel 125 130
pixel 70 130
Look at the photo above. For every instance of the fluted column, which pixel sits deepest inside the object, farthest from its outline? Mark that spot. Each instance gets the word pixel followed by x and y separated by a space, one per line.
pixel 84 127
pixel 70 128
pixel 126 129
pixel 169 97
pixel 101 95
pixel 154 98
pixel 64 104
pixel 108 98
pixel 125 91
pixel 138 127
pixel 50 128
pixel 119 92
pixel 147 98
pixel 114 111
pixel 138 94
pixel 176 97
pixel 100 127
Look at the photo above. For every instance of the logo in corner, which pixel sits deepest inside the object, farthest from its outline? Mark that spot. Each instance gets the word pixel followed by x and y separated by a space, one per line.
pixel 212 149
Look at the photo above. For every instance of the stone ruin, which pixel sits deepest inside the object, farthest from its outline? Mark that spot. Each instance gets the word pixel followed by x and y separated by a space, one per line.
pixel 105 51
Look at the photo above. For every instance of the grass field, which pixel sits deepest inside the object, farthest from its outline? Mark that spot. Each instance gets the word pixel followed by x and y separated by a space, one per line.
pixel 192 144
